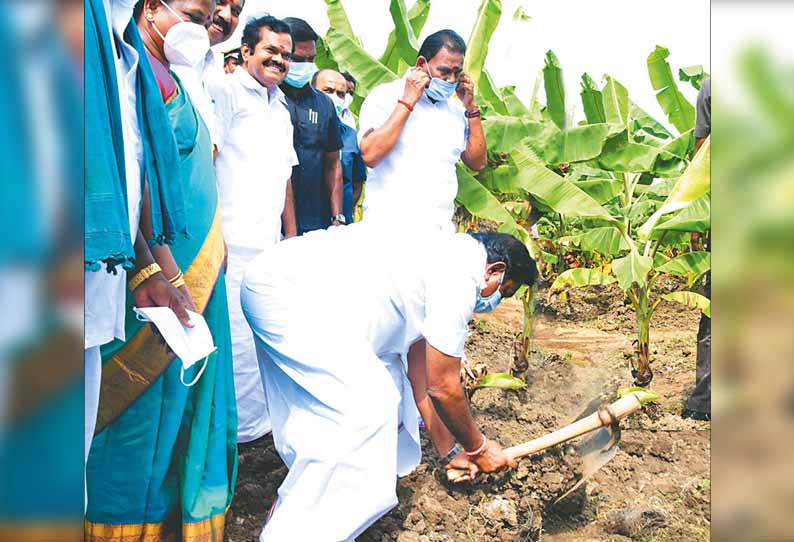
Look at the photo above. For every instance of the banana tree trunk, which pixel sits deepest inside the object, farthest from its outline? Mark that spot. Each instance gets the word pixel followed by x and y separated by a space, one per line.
pixel 642 372
pixel 523 345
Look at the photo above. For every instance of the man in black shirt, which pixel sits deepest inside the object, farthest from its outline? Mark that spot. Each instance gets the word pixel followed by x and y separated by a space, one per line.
pixel 317 180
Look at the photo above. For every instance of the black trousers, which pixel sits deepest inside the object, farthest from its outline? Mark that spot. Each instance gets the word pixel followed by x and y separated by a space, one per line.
pixel 700 400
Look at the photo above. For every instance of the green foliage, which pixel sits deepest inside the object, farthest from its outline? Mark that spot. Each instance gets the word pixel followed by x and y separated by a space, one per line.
pixel 643 394
pixel 618 186
pixel 502 381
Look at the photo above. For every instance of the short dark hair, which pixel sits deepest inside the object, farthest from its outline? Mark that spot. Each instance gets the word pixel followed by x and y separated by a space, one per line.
pixel 349 77
pixel 443 39
pixel 502 247
pixel 300 30
pixel 252 31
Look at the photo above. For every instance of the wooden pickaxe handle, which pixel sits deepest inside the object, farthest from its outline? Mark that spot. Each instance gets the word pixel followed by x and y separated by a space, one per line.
pixel 623 407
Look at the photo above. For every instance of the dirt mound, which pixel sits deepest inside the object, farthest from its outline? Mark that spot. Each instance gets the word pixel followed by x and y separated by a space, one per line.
pixel 580 358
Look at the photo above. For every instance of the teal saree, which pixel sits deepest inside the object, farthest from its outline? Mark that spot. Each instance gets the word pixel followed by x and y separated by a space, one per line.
pixel 164 458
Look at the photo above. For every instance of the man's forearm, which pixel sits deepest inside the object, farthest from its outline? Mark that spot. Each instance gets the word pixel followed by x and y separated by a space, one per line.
pixel 442 438
pixel 453 409
pixel 475 156
pixel 358 187
pixel 333 182
pixel 449 399
pixel 288 216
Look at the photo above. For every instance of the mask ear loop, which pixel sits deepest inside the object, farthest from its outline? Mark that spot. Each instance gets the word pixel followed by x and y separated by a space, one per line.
pixel 196 379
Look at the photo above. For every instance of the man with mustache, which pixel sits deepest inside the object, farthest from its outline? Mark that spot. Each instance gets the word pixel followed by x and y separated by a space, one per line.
pixel 208 72
pixel 254 167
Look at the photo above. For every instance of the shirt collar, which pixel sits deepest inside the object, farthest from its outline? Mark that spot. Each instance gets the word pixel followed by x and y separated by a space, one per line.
pixel 250 83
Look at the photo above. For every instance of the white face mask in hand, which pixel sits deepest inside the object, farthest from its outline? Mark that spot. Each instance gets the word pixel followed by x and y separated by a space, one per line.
pixel 190 344
pixel 185 43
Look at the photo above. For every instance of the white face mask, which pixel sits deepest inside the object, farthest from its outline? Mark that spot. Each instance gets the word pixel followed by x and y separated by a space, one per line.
pixel 190 344
pixel 348 101
pixel 186 43
pixel 339 103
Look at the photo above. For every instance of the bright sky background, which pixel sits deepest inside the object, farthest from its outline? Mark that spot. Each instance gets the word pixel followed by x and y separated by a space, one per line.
pixel 611 36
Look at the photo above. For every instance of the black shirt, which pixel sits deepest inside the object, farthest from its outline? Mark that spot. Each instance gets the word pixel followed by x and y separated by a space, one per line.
pixel 316 132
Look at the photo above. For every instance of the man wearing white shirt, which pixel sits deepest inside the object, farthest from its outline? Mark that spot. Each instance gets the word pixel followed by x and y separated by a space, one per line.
pixel 412 132
pixel 337 390
pixel 199 79
pixel 254 168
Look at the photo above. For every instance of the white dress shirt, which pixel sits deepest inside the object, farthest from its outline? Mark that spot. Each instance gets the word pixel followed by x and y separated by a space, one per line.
pixel 105 293
pixel 255 159
pixel 197 82
pixel 417 177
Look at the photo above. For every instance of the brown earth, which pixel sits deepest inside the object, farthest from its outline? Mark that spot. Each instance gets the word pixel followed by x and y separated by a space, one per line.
pixel 657 487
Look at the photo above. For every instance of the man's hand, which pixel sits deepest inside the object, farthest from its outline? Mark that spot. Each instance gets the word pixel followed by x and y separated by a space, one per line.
pixel 462 463
pixel 493 458
pixel 415 85
pixel 465 92
pixel 156 291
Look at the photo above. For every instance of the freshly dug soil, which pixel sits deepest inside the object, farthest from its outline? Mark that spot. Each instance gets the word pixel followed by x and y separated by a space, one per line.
pixel 581 352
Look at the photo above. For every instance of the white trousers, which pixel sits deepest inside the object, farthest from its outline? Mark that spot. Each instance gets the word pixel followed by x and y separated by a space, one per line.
pixel 335 411
pixel 253 419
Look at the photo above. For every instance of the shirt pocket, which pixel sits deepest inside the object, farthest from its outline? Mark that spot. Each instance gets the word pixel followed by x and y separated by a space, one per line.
pixel 310 132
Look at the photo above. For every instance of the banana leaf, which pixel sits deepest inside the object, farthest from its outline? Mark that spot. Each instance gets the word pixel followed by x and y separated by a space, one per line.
pixel 488 16
pixel 647 123
pixel 521 15
pixel 515 107
pixel 502 381
pixel 581 143
pixel 604 240
pixel 679 111
pixel 696 217
pixel 692 300
pixel 632 269
pixel 556 192
pixel 601 190
pixel 577 278
pixel 500 179
pixel 694 183
pixel 406 46
pixel 416 16
pixel 661 189
pixel 683 145
pixel 502 134
pixel 621 155
pixel 325 58
pixel 478 201
pixel 337 19
pixel 490 94
pixel 690 263
pixel 616 102
pixel 555 89
pixel 592 101
pixel 694 75
pixel 351 57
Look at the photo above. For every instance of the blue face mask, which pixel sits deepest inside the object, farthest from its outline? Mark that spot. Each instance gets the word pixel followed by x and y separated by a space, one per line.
pixel 440 90
pixel 300 73
pixel 487 304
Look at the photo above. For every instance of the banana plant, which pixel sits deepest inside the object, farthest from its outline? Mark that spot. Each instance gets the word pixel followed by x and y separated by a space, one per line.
pixel 620 180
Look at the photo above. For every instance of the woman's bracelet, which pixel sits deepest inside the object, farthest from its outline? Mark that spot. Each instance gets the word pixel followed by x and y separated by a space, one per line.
pixel 143 274
pixel 178 281
pixel 479 450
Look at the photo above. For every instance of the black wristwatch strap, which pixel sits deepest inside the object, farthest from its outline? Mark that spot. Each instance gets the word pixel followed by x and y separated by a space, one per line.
pixel 450 455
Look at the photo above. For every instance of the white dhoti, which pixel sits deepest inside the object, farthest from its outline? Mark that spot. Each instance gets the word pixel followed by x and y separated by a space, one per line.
pixel 335 411
pixel 253 419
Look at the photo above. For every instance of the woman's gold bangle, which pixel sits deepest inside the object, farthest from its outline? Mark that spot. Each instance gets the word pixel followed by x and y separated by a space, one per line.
pixel 143 274
pixel 178 281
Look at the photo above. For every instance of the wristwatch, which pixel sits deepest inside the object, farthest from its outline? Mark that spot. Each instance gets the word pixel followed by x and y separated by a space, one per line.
pixel 339 218
pixel 444 461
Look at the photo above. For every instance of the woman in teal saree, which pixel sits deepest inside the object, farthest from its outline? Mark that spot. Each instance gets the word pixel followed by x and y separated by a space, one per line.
pixel 164 457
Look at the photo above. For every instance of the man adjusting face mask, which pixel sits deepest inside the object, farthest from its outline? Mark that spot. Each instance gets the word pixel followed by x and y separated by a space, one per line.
pixel 439 90
pixel 185 43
